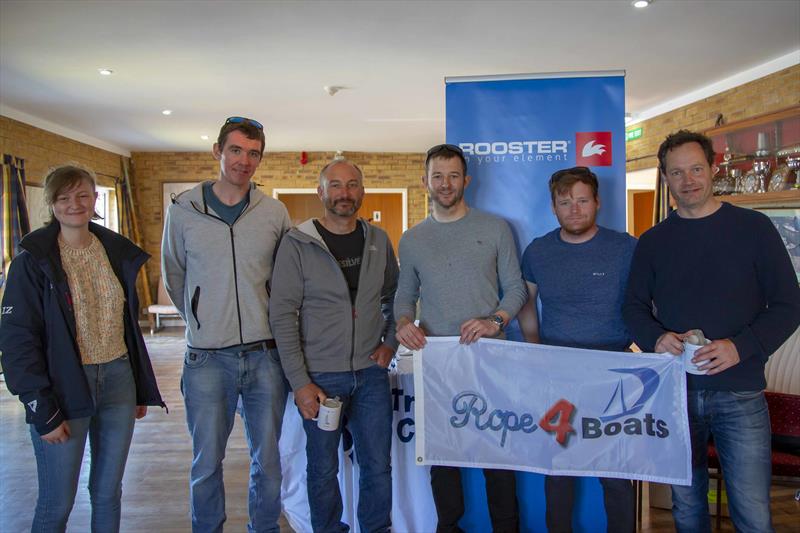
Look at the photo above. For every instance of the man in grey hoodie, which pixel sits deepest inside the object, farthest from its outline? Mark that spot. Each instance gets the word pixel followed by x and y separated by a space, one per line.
pixel 216 260
pixel 331 314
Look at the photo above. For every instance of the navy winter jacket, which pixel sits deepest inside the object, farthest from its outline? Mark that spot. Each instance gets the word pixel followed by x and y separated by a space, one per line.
pixel 40 356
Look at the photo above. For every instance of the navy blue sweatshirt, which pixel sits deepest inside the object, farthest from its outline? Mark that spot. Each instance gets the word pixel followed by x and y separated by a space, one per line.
pixel 728 274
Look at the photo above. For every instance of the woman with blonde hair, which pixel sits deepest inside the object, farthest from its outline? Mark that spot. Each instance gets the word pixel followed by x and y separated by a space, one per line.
pixel 73 351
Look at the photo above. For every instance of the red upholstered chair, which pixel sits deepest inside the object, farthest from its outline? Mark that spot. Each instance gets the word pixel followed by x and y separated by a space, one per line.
pixel 784 418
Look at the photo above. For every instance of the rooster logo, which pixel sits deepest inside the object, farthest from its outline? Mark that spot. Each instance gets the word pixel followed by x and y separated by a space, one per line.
pixel 595 148
pixel 590 149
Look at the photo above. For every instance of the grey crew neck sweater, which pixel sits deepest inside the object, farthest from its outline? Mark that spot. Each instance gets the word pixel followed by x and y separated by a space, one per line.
pixel 458 270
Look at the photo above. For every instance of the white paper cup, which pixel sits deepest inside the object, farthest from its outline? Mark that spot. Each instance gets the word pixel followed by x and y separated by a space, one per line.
pixel 688 366
pixel 328 416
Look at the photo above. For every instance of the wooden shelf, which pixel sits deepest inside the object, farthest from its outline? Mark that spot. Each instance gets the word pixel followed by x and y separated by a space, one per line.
pixel 789 198
pixel 737 126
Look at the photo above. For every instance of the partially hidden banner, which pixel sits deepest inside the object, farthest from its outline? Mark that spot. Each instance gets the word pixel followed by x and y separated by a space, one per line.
pixel 552 410
pixel 517 131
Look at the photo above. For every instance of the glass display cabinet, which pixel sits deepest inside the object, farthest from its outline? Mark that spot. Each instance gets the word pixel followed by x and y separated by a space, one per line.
pixel 757 157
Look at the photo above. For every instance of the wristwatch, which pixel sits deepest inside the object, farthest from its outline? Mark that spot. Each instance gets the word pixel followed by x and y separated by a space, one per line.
pixel 497 319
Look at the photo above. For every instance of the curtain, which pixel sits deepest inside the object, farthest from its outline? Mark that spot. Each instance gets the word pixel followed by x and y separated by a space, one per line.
pixel 661 207
pixel 15 223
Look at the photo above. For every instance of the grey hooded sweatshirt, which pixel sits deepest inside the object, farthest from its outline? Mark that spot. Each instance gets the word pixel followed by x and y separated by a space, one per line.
pixel 316 326
pixel 217 275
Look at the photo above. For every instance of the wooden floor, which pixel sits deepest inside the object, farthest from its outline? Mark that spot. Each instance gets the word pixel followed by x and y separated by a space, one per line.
pixel 155 495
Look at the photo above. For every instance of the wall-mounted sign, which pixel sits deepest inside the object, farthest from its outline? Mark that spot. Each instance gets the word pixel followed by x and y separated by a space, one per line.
pixel 633 134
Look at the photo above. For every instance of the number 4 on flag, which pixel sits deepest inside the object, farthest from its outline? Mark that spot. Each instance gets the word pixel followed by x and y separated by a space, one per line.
pixel 557 420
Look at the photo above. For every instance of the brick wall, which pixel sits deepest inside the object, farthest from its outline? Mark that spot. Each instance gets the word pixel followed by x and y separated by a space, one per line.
pixel 764 95
pixel 41 150
pixel 277 170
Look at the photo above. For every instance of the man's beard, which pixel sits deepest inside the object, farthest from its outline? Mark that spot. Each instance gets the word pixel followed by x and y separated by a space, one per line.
pixel 457 197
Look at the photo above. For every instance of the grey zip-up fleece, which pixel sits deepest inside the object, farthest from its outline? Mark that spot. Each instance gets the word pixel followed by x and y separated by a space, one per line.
pixel 316 327
pixel 217 275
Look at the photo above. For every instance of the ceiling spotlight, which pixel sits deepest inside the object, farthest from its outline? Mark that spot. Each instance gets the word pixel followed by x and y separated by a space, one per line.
pixel 105 71
pixel 642 3
pixel 167 112
pixel 204 137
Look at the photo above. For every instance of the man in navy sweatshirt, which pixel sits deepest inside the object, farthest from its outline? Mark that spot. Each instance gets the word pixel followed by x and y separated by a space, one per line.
pixel 724 270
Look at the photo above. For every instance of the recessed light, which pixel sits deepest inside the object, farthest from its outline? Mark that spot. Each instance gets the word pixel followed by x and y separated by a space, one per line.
pixel 167 112
pixel 105 71
pixel 204 137
pixel 642 3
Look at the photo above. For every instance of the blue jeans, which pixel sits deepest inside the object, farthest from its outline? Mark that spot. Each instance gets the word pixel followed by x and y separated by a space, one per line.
pixel 739 422
pixel 109 429
pixel 213 383
pixel 367 409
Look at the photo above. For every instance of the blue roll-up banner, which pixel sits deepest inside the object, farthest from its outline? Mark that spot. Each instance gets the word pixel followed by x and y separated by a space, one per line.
pixel 515 132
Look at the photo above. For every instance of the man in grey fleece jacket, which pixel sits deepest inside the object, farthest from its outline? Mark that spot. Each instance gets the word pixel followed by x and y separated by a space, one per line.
pixel 333 291
pixel 216 259
pixel 456 263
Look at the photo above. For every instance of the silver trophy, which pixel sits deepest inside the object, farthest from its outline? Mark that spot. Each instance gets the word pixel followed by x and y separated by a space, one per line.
pixel 761 170
pixel 736 177
pixel 762 165
pixel 793 162
pixel 723 184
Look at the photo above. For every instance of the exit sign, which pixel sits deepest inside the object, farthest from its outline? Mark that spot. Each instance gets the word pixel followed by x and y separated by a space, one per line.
pixel 630 135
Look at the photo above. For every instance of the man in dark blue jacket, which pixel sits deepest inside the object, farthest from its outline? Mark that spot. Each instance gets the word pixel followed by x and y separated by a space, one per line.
pixel 724 270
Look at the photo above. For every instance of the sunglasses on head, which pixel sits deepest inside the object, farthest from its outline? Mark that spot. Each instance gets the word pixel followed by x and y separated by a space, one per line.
pixel 574 171
pixel 446 149
pixel 244 120
pixel 439 148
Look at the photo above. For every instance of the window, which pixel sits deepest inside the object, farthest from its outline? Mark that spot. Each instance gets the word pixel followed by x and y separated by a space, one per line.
pixel 106 207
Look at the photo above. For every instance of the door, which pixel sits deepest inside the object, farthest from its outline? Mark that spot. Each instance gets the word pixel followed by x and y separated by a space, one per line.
pixel 381 208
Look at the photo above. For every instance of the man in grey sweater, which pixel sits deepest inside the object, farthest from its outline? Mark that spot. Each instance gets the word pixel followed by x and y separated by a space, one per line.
pixel 456 263
pixel 216 261
pixel 331 312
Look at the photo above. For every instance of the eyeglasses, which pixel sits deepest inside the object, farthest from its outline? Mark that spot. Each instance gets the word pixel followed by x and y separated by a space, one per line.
pixel 574 171
pixel 244 120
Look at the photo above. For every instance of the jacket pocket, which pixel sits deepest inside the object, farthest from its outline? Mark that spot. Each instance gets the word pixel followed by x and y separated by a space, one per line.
pixel 195 303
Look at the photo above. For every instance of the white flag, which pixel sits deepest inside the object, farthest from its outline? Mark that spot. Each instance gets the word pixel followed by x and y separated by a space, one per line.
pixel 552 410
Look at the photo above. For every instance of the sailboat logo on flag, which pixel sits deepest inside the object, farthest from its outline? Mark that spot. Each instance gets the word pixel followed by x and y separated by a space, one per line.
pixel 649 383
pixel 623 412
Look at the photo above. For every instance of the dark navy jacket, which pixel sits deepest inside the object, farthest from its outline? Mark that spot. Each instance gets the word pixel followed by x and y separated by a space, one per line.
pixel 40 356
